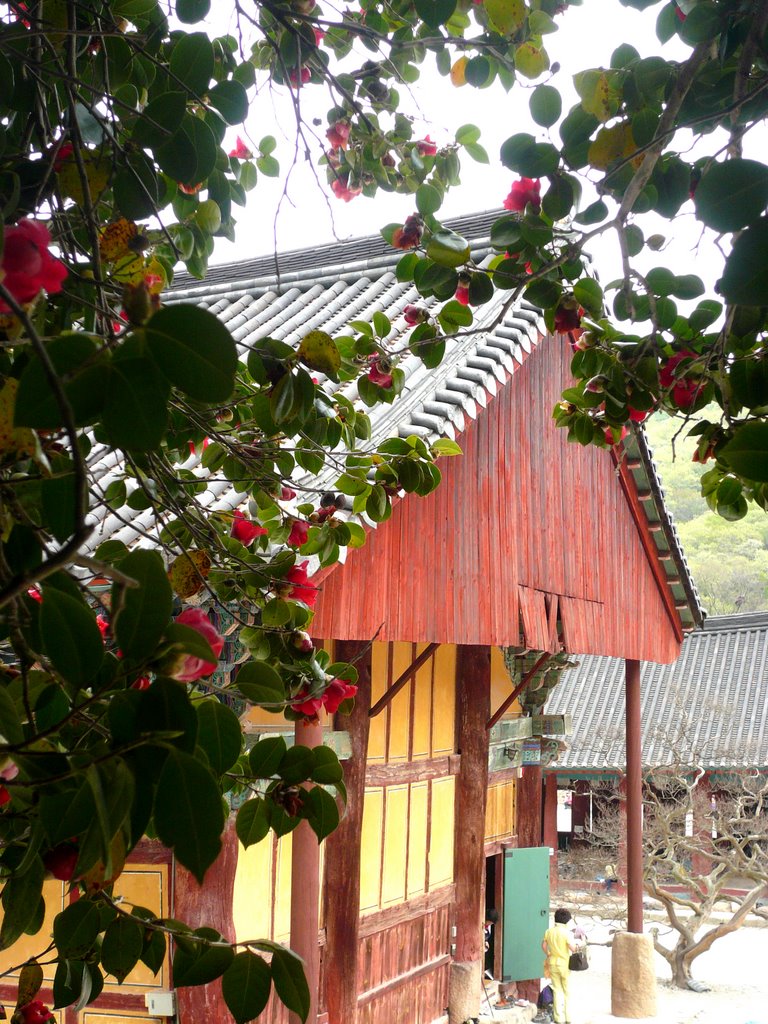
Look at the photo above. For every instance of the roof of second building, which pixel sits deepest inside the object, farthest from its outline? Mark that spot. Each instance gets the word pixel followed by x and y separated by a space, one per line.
pixel 710 707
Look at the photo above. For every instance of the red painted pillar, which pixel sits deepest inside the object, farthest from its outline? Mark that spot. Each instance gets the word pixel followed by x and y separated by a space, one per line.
pixel 305 888
pixel 342 853
pixel 634 800
pixel 550 826
pixel 529 833
pixel 207 904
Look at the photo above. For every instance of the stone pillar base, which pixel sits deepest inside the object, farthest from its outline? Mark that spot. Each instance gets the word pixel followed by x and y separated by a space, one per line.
pixel 633 976
pixel 464 992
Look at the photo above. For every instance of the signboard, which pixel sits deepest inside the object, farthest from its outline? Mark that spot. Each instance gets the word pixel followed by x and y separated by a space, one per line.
pixel 511 729
pixel 551 725
pixel 531 751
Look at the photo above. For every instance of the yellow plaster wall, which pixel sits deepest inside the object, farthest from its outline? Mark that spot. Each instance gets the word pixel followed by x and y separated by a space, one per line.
pixel 441 832
pixel 501 811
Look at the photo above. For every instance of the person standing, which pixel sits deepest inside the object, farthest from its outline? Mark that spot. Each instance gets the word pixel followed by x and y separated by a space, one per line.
pixel 558 944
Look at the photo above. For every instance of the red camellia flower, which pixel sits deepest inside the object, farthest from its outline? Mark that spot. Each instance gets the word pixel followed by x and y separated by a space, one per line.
pixel 62 156
pixel 462 291
pixel 241 151
pixel 287 493
pixel 524 191
pixel 336 692
pixel 244 529
pixel 338 134
pixel 190 190
pixel 609 435
pixel 638 415
pixel 414 315
pixel 685 391
pixel 306 705
pixel 300 591
pixel 379 373
pixel 409 235
pixel 568 315
pixel 35 1012
pixel 299 76
pixel 426 147
pixel 28 268
pixel 340 188
pixel 299 533
pixel 190 667
pixel 142 683
pixel 103 625
pixel 10 771
pixel 61 861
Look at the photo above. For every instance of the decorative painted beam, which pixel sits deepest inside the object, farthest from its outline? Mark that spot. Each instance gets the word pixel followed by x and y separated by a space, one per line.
pixel 517 690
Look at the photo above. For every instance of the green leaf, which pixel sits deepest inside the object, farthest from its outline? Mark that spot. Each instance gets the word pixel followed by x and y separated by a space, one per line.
pixel 435 13
pixel 246 985
pixel 194 350
pixel 477 71
pixel 589 294
pixel 468 133
pixel 445 447
pixel 448 249
pixel 321 811
pixel 77 360
pixel 428 199
pixel 506 16
pixel 731 195
pixel 197 963
pixel 523 154
pixel 188 812
pixel 68 812
pixel 593 214
pixel 546 105
pixel 192 62
pixel 266 756
pixel 135 405
pixel 231 101
pixel 745 279
pixel 191 11
pixel 121 947
pixel 190 155
pixel 319 351
pixel 259 683
pixel 21 899
pixel 76 928
pixel 747 452
pixel 296 765
pixel 10 719
pixel 219 734
pixel 326 768
pixel 70 636
pixel 160 119
pixel 290 982
pixel 531 60
pixel 30 982
pixel 252 823
pixel 143 612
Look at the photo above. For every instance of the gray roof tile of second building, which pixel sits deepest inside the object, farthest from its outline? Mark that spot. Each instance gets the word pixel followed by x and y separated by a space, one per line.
pixel 710 706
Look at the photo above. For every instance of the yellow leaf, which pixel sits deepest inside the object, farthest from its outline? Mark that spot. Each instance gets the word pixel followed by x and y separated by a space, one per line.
pixel 459 72
pixel 188 572
pixel 600 93
pixel 96 171
pixel 531 61
pixel 612 144
pixel 506 16
pixel 14 440
pixel 115 240
pixel 130 269
pixel 318 351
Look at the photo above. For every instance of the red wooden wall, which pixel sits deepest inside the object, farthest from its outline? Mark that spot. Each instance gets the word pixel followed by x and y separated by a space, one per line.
pixel 525 526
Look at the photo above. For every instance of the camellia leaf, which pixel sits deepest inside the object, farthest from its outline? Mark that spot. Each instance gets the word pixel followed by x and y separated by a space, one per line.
pixel 192 62
pixel 135 405
pixel 546 105
pixel 191 11
pixel 219 734
pixel 76 357
pixel 447 248
pixel 435 13
pixel 522 153
pixel 121 947
pixel 506 16
pixel 745 279
pixel 75 929
pixel 747 452
pixel 71 638
pixel 21 898
pixel 188 815
pixel 732 194
pixel 231 101
pixel 266 756
pixel 188 572
pixel 321 811
pixel 30 982
pixel 197 963
pixel 190 155
pixel 142 612
pixel 252 823
pixel 319 351
pixel 290 981
pixel 531 60
pixel 246 985
pixel 194 350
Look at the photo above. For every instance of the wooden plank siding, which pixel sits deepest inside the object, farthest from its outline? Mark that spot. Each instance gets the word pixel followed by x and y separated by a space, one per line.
pixel 521 515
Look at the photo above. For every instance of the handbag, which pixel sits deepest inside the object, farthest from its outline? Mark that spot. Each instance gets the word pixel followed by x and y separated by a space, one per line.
pixel 578 961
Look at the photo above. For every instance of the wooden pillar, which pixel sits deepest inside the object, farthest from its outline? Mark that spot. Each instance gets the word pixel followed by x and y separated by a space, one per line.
pixel 634 800
pixel 550 826
pixel 305 888
pixel 209 904
pixel 342 855
pixel 473 684
pixel 529 833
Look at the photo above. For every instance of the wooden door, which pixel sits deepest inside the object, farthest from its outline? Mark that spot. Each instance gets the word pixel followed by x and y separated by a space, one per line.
pixel 526 912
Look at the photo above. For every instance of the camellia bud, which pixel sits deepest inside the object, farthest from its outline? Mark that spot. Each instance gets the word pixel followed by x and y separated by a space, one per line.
pixel 302 641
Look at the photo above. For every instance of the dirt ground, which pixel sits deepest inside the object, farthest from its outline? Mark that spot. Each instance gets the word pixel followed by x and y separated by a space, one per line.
pixel 735 969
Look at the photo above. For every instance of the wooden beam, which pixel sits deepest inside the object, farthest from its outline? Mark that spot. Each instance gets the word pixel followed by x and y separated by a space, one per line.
pixel 342 852
pixel 401 681
pixel 509 701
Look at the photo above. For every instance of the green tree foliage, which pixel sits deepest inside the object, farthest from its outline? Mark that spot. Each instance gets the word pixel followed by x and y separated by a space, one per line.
pixel 113 171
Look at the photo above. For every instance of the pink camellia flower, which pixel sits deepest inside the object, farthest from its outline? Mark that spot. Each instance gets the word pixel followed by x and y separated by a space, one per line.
pixel 426 147
pixel 28 268
pixel 298 577
pixel 414 315
pixel 35 1012
pixel 191 667
pixel 244 529
pixel 241 151
pixel 379 374
pixel 336 692
pixel 338 134
pixel 340 188
pixel 524 191
pixel 299 533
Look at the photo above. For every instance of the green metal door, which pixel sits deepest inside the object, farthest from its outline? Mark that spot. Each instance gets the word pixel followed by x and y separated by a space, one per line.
pixel 526 912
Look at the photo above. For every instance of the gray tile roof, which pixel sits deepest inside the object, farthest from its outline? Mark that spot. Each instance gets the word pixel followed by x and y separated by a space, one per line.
pixel 711 705
pixel 325 287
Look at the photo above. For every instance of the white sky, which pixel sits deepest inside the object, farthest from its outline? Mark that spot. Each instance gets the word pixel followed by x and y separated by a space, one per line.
pixel 311 215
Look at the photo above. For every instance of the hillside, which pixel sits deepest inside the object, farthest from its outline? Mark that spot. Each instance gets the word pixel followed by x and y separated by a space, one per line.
pixel 729 561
